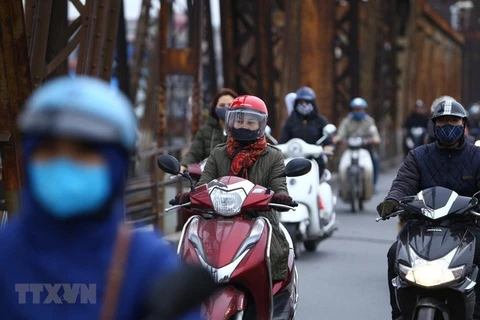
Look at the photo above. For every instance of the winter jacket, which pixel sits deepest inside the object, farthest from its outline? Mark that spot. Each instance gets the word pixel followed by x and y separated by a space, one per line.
pixel 206 138
pixel 416 120
pixel 309 128
pixel 269 165
pixel 432 165
pixel 57 269
pixel 364 128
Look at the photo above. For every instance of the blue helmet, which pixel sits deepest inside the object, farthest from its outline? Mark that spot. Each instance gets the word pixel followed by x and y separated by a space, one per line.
pixel 306 93
pixel 358 103
pixel 83 108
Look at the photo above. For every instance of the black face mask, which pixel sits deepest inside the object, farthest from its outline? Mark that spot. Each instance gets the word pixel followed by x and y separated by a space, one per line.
pixel 245 136
pixel 221 112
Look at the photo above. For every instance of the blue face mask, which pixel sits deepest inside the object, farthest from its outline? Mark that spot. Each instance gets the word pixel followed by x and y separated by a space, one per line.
pixel 449 134
pixel 67 188
pixel 358 116
pixel 221 112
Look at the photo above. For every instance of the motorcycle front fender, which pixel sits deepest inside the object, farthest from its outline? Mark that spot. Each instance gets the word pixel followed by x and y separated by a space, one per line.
pixel 227 302
pixel 301 213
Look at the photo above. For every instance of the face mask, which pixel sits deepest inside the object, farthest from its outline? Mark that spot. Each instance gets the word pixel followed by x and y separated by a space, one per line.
pixel 67 188
pixel 221 112
pixel 449 133
pixel 358 116
pixel 244 136
pixel 304 108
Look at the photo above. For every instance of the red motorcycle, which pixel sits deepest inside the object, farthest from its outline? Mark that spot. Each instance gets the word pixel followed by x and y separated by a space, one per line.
pixel 235 247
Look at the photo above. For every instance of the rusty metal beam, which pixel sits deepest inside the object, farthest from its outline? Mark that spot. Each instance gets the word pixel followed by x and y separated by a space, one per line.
pixel 123 71
pixel 51 42
pixel 139 48
pixel 229 50
pixel 211 69
pixel 15 86
pixel 346 48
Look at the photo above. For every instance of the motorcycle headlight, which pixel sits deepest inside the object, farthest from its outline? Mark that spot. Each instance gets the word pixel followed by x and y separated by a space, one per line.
pixel 431 273
pixel 227 203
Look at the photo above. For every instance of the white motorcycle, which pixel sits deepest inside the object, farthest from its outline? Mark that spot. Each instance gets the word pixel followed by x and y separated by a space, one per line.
pixel 314 219
pixel 355 173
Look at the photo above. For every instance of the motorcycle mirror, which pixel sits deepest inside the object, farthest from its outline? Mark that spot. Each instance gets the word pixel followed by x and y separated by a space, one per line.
pixel 329 130
pixel 169 164
pixel 268 134
pixel 475 198
pixel 298 167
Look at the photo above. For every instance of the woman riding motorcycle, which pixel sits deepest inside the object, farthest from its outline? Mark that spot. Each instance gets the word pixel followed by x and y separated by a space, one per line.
pixel 212 132
pixel 247 154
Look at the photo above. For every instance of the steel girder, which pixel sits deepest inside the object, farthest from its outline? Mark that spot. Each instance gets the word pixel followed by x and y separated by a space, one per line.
pixel 15 86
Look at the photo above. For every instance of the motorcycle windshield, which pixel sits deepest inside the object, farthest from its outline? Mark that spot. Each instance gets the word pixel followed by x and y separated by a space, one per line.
pixel 437 202
pixel 434 242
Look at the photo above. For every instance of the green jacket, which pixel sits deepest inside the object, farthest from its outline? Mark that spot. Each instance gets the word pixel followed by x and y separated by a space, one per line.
pixel 269 165
pixel 206 138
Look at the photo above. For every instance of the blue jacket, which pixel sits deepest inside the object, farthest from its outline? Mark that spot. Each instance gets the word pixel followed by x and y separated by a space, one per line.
pixel 431 165
pixel 52 269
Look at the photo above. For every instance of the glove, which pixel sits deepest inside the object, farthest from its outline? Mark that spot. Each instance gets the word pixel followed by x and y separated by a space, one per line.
pixel 387 207
pixel 282 198
pixel 180 198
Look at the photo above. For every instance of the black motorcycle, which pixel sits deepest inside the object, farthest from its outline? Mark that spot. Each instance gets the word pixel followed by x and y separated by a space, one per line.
pixel 434 259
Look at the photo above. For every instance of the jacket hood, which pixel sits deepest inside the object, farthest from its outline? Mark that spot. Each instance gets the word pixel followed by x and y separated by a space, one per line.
pixel 47 230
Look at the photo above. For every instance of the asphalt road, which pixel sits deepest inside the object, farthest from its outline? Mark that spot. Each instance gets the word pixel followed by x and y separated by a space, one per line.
pixel 346 278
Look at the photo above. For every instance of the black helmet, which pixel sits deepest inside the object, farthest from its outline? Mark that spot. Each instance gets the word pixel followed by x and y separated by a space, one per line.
pixel 449 107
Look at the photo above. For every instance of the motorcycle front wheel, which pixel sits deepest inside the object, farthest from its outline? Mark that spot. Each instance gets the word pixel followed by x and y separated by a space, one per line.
pixel 426 313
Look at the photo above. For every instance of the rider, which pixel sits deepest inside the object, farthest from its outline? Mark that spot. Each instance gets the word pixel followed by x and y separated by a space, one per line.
pixel 305 123
pixel 212 132
pixel 78 137
pixel 247 154
pixel 450 162
pixel 359 124
pixel 417 118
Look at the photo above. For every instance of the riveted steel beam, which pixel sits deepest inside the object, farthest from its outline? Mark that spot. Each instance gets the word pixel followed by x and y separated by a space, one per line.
pixel 15 86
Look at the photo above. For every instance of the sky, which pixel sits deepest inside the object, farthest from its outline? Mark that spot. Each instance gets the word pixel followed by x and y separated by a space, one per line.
pixel 132 9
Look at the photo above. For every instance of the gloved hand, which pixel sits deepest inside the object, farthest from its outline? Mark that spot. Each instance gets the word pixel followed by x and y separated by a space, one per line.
pixel 282 198
pixel 387 207
pixel 180 198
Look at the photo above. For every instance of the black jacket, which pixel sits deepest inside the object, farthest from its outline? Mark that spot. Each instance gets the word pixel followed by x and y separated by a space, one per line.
pixel 309 128
pixel 416 120
pixel 431 165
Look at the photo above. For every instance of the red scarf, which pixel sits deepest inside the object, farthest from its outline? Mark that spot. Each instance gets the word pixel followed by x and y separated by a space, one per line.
pixel 243 157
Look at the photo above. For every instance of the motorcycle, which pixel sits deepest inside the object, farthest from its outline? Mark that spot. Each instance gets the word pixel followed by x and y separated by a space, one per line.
pixel 314 219
pixel 355 173
pixel 416 136
pixel 234 247
pixel 434 258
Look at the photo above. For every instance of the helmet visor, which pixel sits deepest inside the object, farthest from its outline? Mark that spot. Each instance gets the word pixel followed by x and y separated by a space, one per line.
pixel 68 124
pixel 243 120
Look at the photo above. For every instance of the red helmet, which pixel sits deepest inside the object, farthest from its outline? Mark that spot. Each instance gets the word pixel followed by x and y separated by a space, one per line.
pixel 247 118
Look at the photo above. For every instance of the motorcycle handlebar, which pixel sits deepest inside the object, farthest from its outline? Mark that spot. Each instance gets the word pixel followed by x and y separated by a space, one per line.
pixel 177 206
pixel 393 214
pixel 284 206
